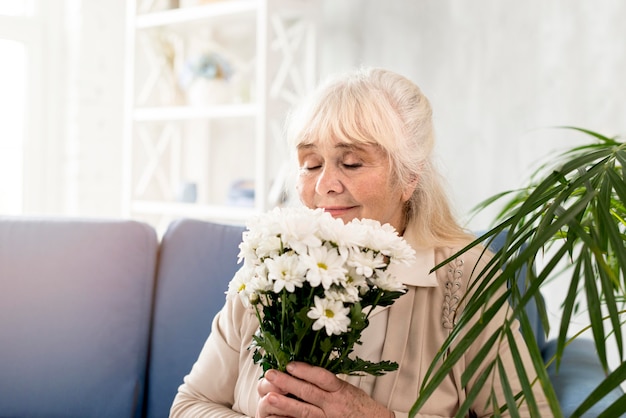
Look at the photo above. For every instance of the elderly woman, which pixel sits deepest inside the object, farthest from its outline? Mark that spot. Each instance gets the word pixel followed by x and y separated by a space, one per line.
pixel 364 145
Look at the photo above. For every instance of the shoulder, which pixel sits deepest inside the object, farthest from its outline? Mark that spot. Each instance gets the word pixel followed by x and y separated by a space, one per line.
pixel 463 266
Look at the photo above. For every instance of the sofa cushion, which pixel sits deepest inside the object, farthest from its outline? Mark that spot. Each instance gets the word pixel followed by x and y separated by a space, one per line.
pixel 196 262
pixel 580 372
pixel 75 304
pixel 532 311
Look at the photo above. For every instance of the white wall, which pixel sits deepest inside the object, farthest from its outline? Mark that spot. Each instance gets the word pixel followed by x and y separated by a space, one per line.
pixel 498 73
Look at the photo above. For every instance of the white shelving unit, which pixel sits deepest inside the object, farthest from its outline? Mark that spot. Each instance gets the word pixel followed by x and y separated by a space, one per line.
pixel 218 157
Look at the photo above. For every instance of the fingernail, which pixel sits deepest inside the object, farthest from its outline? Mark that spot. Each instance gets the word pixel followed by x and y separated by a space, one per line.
pixel 270 375
pixel 291 367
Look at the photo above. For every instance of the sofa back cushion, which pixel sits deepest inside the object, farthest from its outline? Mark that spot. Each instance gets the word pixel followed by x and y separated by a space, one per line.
pixel 75 304
pixel 532 312
pixel 196 262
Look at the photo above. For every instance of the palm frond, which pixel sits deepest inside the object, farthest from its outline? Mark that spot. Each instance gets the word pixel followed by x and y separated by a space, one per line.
pixel 570 217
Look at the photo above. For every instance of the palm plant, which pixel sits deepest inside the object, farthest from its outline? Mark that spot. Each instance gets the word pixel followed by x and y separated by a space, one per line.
pixel 570 219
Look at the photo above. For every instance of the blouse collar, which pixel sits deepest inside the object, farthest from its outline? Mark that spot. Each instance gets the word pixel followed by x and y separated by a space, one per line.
pixel 417 273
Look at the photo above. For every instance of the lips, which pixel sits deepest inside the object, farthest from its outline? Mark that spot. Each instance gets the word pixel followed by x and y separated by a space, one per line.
pixel 337 211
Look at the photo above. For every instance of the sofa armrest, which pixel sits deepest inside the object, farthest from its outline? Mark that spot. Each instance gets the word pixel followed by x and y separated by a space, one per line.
pixel 580 372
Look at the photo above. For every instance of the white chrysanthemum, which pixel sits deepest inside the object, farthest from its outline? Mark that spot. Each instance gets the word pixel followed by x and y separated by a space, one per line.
pixel 329 314
pixel 271 246
pixel 384 238
pixel 348 294
pixel 298 229
pixel 334 230
pixel 259 282
pixel 247 250
pixel 247 283
pixel 385 281
pixel 355 233
pixel 365 262
pixel 286 272
pixel 325 265
pixel 353 279
pixel 239 282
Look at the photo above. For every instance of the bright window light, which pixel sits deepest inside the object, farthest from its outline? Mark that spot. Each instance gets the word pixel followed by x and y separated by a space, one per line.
pixel 12 108
pixel 16 7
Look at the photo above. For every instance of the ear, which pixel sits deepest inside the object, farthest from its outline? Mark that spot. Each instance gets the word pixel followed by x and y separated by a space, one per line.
pixel 409 189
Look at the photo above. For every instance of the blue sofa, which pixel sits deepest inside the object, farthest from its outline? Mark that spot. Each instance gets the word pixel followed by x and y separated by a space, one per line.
pixel 102 318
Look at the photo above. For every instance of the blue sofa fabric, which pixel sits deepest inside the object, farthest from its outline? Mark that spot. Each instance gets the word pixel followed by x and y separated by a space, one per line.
pixel 75 306
pixel 197 260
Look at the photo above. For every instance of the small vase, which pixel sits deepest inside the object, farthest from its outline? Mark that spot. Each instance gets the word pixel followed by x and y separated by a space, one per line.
pixel 204 92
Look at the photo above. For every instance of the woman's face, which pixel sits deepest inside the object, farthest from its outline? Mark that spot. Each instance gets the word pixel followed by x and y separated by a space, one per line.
pixel 351 181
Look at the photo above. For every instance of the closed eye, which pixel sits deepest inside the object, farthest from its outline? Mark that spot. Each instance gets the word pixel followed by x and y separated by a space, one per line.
pixel 353 166
pixel 310 167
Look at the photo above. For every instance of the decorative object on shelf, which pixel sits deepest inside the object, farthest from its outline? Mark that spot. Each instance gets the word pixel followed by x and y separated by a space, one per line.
pixel 569 218
pixel 241 193
pixel 187 192
pixel 162 49
pixel 236 67
pixel 205 78
pixel 312 281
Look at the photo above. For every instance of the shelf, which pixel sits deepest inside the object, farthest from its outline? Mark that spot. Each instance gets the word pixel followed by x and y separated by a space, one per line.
pixel 165 113
pixel 196 13
pixel 193 210
pixel 272 42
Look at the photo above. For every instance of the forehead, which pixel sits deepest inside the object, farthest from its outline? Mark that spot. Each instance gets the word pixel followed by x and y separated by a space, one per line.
pixel 339 147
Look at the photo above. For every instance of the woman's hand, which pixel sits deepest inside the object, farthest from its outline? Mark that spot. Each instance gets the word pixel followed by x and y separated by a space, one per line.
pixel 320 395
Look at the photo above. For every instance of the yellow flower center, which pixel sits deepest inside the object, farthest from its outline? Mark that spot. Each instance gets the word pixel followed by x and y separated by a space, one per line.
pixel 241 288
pixel 322 266
pixel 328 313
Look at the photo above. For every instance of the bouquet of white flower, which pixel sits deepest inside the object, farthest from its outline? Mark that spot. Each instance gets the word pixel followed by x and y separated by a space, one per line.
pixel 313 281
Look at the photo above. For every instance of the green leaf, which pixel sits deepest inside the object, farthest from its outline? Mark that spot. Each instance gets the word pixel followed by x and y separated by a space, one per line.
pixel 568 309
pixel 573 209
pixel 471 395
pixel 358 367
pixel 506 389
pixel 615 409
pixel 594 308
pixel 612 381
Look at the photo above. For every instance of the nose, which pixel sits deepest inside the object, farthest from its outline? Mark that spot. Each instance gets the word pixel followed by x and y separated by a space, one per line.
pixel 329 181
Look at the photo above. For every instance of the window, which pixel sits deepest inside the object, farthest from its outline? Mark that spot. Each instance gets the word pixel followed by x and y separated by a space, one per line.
pixel 12 112
pixel 17 33
pixel 16 8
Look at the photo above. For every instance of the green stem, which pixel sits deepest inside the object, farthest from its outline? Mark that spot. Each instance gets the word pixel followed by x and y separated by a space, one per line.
pixel 283 314
pixel 374 304
pixel 317 334
pixel 258 317
pixel 299 341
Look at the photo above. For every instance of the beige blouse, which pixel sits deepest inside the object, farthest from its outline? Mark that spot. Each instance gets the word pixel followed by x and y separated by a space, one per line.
pixel 223 381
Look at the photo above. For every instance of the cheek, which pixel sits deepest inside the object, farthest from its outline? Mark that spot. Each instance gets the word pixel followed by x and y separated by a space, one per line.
pixel 304 188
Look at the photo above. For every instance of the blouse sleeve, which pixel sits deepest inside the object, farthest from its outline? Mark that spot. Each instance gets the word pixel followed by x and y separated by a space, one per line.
pixel 209 389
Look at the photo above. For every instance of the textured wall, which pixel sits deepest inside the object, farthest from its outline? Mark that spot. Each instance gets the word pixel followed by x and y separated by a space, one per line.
pixel 497 73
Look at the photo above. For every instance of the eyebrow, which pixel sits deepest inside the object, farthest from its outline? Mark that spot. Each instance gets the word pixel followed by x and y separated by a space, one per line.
pixel 341 145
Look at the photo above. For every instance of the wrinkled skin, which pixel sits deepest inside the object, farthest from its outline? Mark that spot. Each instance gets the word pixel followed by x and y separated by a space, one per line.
pixel 320 395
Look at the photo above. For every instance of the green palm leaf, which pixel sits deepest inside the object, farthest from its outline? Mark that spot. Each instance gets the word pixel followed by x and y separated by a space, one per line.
pixel 571 216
